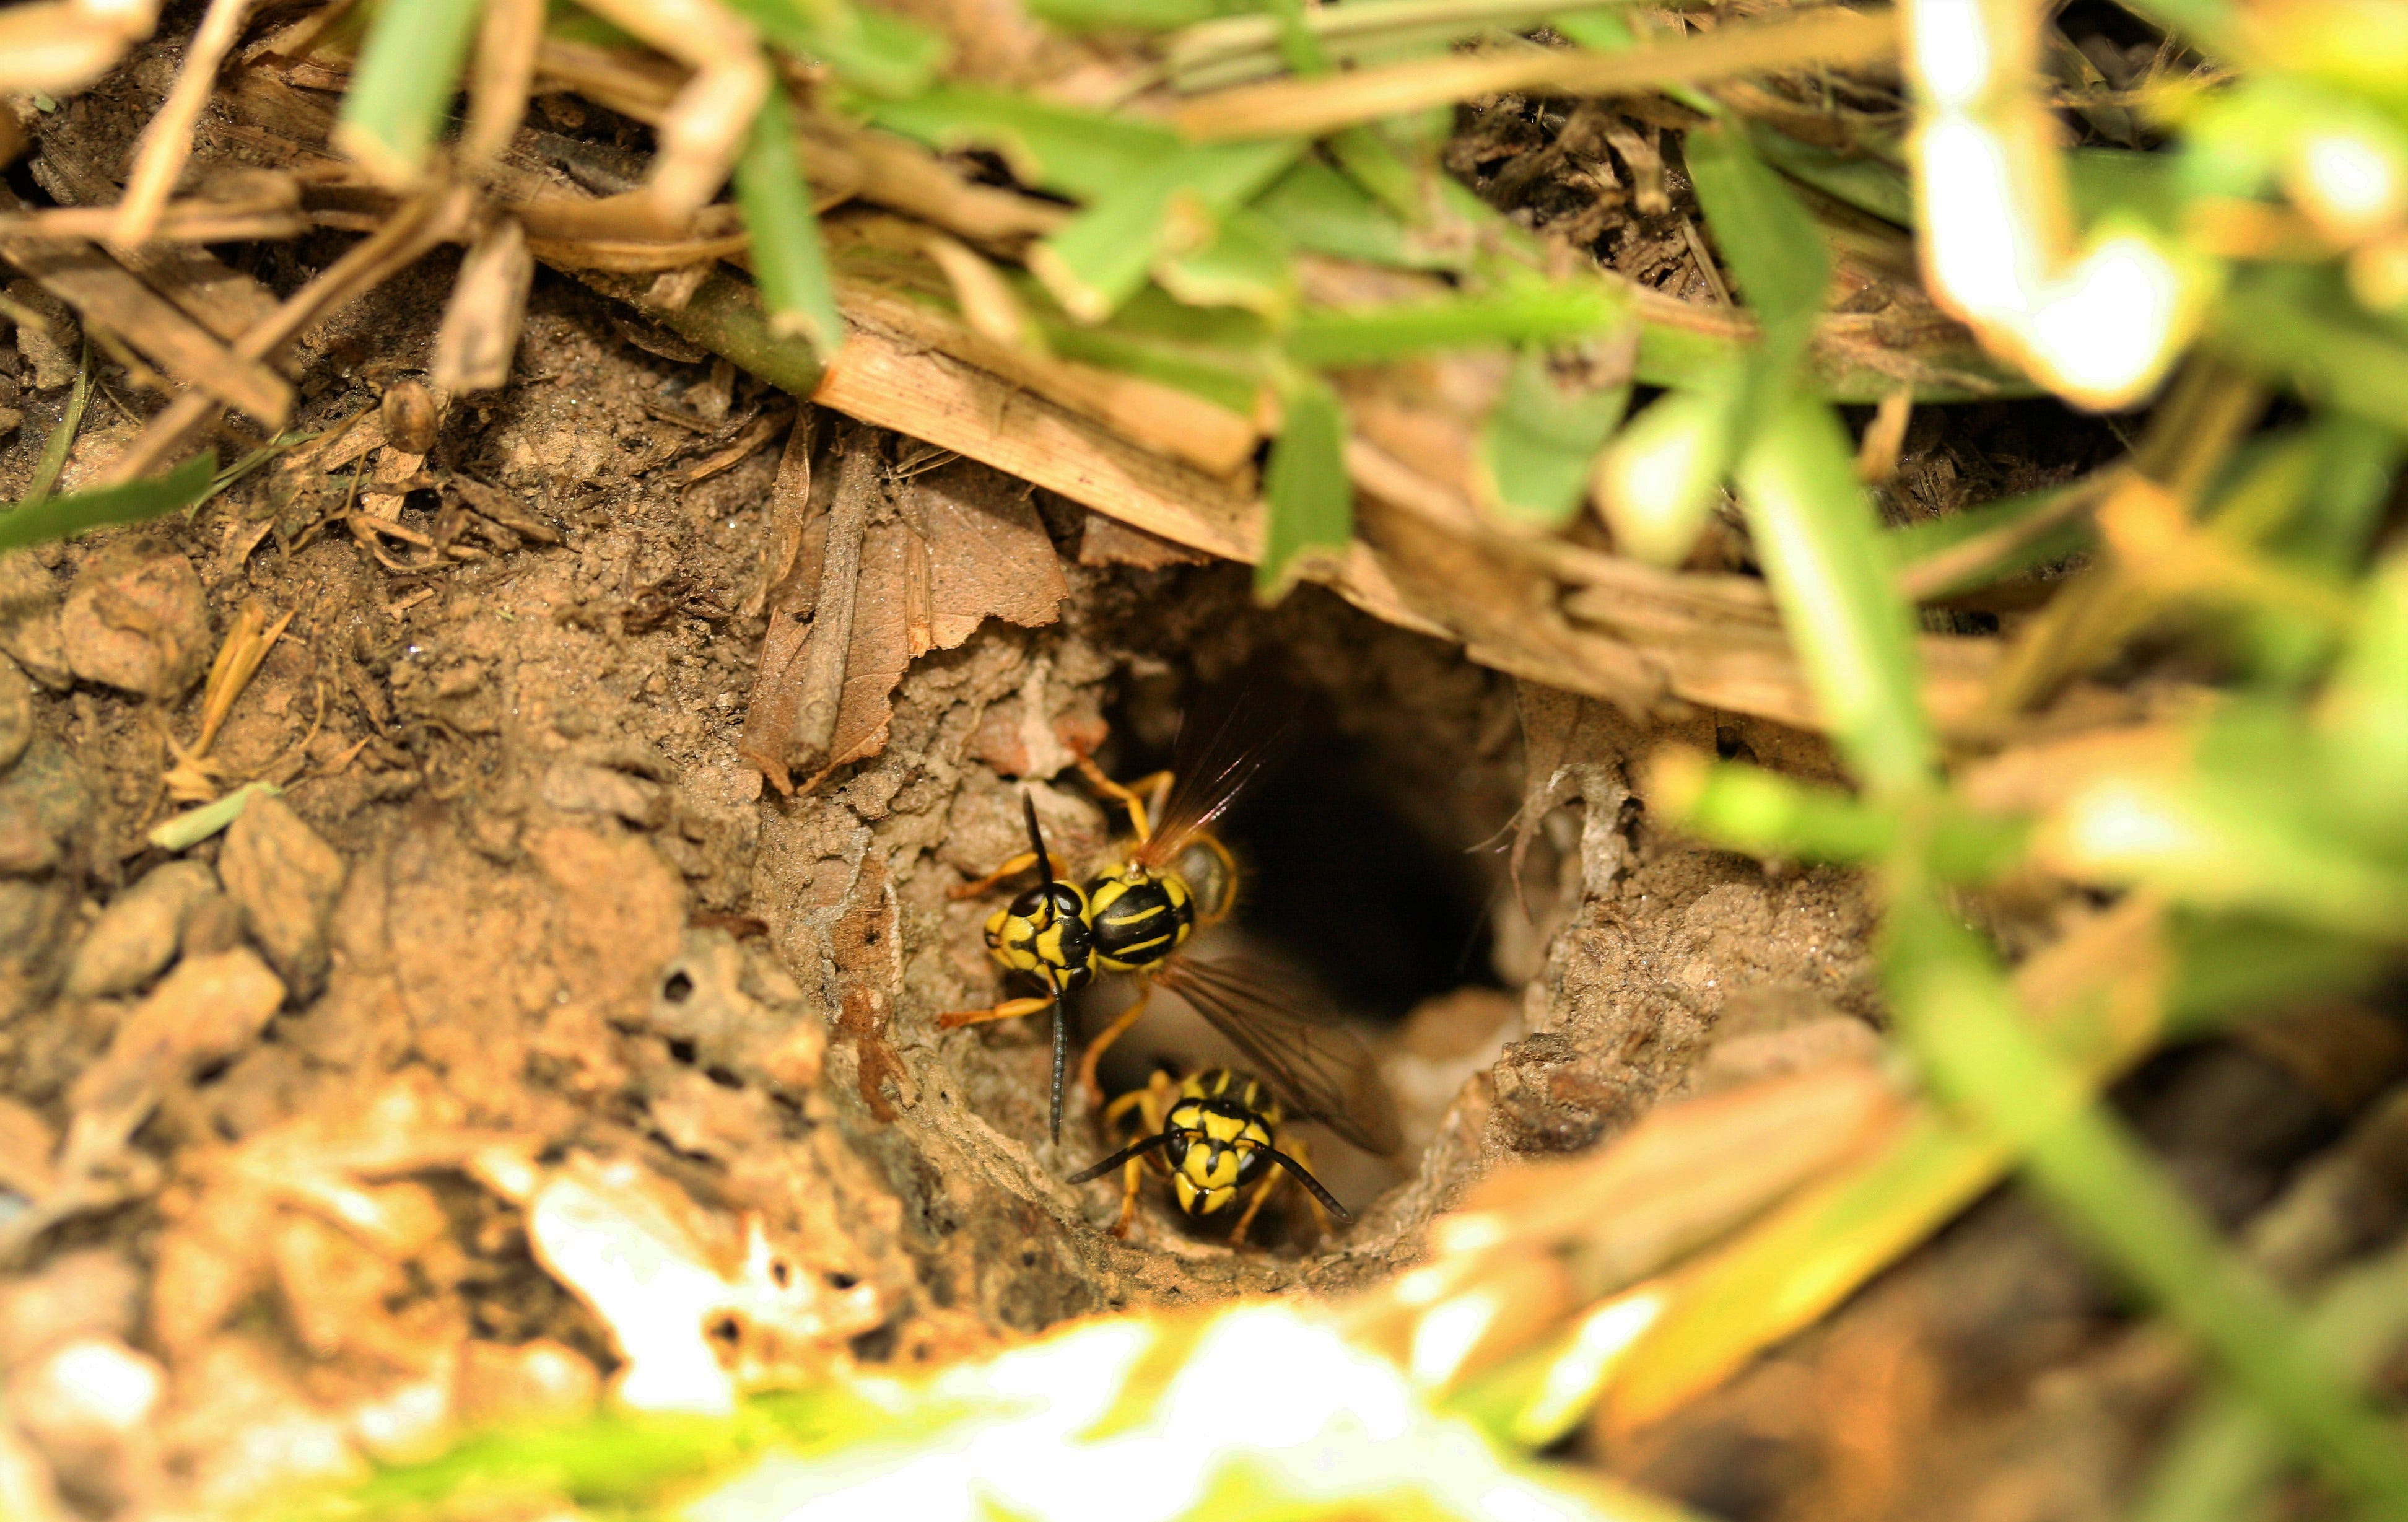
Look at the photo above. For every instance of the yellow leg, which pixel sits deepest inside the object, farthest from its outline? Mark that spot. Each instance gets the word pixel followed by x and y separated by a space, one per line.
pixel 1133 1171
pixel 1020 863
pixel 1110 1034
pixel 1262 1193
pixel 1131 794
pixel 1010 1009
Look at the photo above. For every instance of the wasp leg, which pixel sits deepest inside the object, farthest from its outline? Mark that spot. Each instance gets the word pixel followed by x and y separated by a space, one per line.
pixel 1110 1034
pixel 1132 796
pixel 1010 1009
pixel 1133 1171
pixel 1263 1192
pixel 1018 864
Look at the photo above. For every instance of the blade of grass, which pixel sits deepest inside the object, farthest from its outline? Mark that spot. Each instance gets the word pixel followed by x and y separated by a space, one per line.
pixel 1308 502
pixel 1100 261
pixel 1528 312
pixel 1958 1015
pixel 2225 1461
pixel 789 260
pixel 402 87
pixel 1763 814
pixel 1315 106
pixel 1540 440
pixel 1821 547
pixel 60 442
pixel 59 517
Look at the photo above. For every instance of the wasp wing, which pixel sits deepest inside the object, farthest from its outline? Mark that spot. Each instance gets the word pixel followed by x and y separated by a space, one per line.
pixel 1223 745
pixel 1319 1068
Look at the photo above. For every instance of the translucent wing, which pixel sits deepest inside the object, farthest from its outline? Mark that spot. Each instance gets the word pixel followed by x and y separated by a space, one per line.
pixel 1223 746
pixel 1317 1067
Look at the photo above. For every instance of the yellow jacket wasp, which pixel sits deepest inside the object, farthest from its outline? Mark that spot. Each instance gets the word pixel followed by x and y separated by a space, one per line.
pixel 1217 1133
pixel 1142 908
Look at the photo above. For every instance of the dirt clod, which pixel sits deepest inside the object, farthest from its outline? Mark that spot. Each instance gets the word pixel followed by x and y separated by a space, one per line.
pixel 137 935
pixel 286 878
pixel 16 712
pixel 137 619
pixel 29 620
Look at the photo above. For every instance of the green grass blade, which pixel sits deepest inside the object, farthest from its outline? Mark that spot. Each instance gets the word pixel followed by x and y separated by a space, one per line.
pixel 1086 155
pixel 1870 184
pixel 868 47
pixel 1100 261
pixel 1248 264
pixel 56 448
pixel 1323 211
pixel 1308 500
pixel 789 260
pixel 1764 813
pixel 2224 1462
pixel 1955 1010
pixel 1820 543
pixel 402 87
pixel 1766 237
pixel 1528 312
pixel 1541 441
pixel 79 512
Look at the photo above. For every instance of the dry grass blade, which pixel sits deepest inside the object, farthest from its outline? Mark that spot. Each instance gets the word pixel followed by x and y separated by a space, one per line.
pixel 61 46
pixel 508 42
pixel 417 226
pixel 112 299
pixel 705 124
pixel 1314 107
pixel 193 780
pixel 168 141
pixel 481 322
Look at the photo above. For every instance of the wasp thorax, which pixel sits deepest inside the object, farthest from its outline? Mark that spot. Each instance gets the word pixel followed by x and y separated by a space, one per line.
pixel 1138 917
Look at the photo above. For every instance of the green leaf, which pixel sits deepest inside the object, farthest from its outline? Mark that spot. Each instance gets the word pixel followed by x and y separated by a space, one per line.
pixel 789 260
pixel 1660 480
pixel 2231 967
pixel 79 512
pixel 1820 543
pixel 2297 326
pixel 1246 264
pixel 1323 211
pixel 1100 260
pixel 402 87
pixel 1541 441
pixel 1529 311
pixel 1870 184
pixel 869 49
pixel 1764 234
pixel 1082 154
pixel 1307 501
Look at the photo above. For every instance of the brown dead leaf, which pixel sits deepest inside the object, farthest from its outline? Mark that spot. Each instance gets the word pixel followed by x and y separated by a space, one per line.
pixel 1108 542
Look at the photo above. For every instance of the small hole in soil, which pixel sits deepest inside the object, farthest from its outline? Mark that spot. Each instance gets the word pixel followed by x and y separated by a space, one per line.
pixel 678 987
pixel 841 1281
pixel 681 1050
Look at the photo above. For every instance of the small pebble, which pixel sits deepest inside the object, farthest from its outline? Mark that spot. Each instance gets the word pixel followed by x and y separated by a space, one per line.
pixel 29 618
pixel 137 935
pixel 34 917
pixel 16 712
pixel 212 925
pixel 410 417
pixel 26 849
pixel 136 618
pixel 286 878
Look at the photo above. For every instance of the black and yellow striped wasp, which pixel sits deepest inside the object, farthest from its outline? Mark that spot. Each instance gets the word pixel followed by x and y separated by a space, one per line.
pixel 1139 909
pixel 1217 1133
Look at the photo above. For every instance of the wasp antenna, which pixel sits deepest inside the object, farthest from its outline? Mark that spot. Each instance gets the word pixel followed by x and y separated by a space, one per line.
pixel 1037 841
pixel 1061 1042
pixel 1135 1149
pixel 1329 1201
